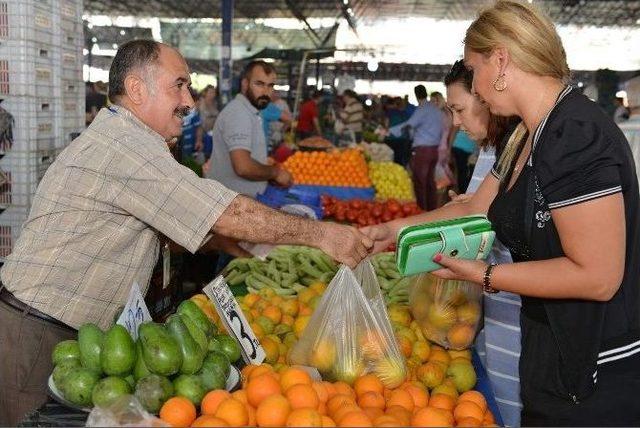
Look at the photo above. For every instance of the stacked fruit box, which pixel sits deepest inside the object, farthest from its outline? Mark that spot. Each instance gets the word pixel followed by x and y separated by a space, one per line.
pixel 42 97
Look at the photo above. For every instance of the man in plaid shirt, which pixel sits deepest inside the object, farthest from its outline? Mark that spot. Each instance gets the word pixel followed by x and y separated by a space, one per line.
pixel 95 222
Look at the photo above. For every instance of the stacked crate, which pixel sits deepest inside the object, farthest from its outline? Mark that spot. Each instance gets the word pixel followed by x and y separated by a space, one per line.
pixel 41 44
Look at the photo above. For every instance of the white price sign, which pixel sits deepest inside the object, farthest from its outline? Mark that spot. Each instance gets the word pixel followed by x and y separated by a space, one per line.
pixel 135 312
pixel 219 293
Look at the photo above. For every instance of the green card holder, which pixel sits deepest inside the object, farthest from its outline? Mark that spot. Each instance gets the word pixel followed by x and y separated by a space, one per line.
pixel 468 238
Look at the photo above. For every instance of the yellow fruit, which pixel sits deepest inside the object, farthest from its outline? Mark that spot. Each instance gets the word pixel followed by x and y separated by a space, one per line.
pixel 441 317
pixel 323 355
pixel 271 349
pixel 306 295
pixel 289 307
pixel 462 374
pixel 251 299
pixel 318 287
pixel 399 314
pixel 461 336
pixel 273 313
pixel 421 351
pixel 391 371
pixel 407 332
pixel 300 324
pixel 440 356
pixel 348 368
pixel 431 374
pixel 445 388
pixel 257 329
pixel 266 324
pixel 313 303
pixel 465 353
pixel 290 339
pixel 469 313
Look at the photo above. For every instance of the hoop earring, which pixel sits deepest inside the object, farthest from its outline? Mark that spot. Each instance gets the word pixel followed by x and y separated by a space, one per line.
pixel 500 84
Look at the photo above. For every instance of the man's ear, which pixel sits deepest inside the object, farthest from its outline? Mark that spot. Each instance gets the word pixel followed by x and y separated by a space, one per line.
pixel 136 89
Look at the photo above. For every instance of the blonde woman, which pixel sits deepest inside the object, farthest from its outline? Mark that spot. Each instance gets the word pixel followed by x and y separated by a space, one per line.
pixel 563 197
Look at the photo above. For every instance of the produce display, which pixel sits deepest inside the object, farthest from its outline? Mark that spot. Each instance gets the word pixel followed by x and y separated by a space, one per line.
pixel 331 168
pixel 447 311
pixel 287 270
pixel 366 213
pixel 376 152
pixel 186 356
pixel 391 180
pixel 395 288
pixel 291 397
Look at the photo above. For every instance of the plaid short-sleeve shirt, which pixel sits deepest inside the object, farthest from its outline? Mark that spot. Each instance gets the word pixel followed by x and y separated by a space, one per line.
pixel 96 215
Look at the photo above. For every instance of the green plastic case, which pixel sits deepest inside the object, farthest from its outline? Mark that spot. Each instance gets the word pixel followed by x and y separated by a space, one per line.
pixel 468 238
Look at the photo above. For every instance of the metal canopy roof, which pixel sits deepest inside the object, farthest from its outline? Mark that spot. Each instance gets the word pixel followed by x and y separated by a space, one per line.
pixel 577 12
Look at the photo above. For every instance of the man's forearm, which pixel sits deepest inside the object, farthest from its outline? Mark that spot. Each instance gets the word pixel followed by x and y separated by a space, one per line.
pixel 248 220
pixel 255 171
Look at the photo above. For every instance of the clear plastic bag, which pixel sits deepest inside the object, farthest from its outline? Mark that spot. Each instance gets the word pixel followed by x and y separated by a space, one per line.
pixel 124 412
pixel 349 333
pixel 447 311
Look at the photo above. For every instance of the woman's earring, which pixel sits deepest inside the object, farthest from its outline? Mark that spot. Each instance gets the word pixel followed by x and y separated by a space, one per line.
pixel 500 84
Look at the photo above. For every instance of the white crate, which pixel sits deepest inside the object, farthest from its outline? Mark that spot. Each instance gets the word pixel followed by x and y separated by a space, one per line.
pixel 34 118
pixel 23 171
pixel 11 222
pixel 27 68
pixel 27 20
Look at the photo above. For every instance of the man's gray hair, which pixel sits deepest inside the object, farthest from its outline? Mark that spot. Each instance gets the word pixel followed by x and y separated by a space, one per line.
pixel 136 54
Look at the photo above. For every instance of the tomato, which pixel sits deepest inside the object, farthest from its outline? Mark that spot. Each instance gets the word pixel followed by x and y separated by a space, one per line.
pixel 362 220
pixel 393 206
pixel 376 211
pixel 407 209
pixel 356 204
pixel 351 215
pixel 340 216
pixel 328 210
pixel 386 216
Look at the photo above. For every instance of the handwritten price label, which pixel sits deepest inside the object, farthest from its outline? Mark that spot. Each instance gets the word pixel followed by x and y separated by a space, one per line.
pixel 135 312
pixel 231 315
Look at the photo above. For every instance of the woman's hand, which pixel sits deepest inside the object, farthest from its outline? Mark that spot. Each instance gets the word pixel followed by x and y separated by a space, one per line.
pixel 459 269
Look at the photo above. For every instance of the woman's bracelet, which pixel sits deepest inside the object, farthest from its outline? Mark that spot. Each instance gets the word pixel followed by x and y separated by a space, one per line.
pixel 486 281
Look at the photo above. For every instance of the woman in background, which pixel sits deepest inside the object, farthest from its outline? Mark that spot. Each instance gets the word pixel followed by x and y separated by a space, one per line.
pixel 498 344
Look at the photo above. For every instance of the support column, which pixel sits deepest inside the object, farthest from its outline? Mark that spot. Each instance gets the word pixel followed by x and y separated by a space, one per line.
pixel 226 64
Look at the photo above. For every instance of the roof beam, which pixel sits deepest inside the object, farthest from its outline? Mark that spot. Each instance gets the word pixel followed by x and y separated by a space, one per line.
pixel 293 8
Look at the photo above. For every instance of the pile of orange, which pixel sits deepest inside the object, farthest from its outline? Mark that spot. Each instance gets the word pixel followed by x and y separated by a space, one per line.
pixel 335 168
pixel 290 397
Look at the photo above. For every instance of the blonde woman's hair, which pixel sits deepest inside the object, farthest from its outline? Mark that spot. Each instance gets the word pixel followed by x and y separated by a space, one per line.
pixel 510 150
pixel 533 44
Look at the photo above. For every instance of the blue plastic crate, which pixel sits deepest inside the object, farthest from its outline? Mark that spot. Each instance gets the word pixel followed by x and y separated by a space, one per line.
pixel 276 199
pixel 294 195
pixel 344 193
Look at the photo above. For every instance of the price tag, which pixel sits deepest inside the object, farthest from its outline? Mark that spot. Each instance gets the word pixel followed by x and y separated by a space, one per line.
pixel 135 312
pixel 235 322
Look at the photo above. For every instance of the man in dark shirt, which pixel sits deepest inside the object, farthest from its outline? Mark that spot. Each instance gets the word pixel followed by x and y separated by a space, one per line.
pixel 94 101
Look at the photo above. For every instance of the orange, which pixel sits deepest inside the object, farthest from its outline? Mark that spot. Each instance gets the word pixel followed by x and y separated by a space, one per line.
pixel 461 336
pixel 338 401
pixel 250 299
pixel 343 410
pixel 304 312
pixel 327 421
pixel 420 395
pixel 372 399
pixel 386 421
pixel 271 349
pixel 322 408
pixel 475 397
pixel 251 413
pixel 233 412
pixel 273 411
pixel 246 370
pixel 241 396
pixel 304 418
pixel 368 383
pixel 400 397
pixel 212 400
pixel 209 421
pixel 468 422
pixel 287 320
pixel 432 417
pixel 466 409
pixel 344 388
pixel 321 390
pixel 260 388
pixel 331 389
pixel 293 376
pixel 439 355
pixel 400 413
pixel 442 401
pixel 355 419
pixel 260 370
pixel 488 418
pixel 405 345
pixel 302 396
pixel 178 412
pixel 273 313
pixel 373 412
pixel 289 308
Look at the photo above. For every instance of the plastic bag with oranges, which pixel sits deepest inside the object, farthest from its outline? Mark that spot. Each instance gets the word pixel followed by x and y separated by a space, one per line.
pixel 349 333
pixel 447 311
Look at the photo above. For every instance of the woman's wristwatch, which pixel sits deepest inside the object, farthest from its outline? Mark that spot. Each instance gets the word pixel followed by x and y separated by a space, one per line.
pixel 486 280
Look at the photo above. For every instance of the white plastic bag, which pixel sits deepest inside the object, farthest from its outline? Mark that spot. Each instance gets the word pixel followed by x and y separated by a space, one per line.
pixel 349 333
pixel 124 412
